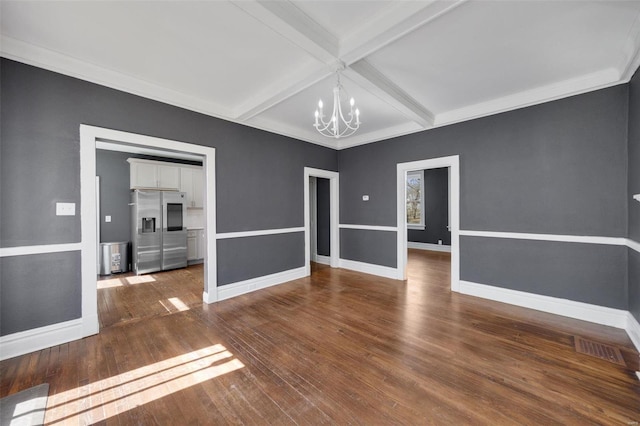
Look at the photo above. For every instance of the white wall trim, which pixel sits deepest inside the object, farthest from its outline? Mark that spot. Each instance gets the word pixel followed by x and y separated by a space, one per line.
pixel 369 268
pixel 39 249
pixel 244 234
pixel 547 237
pixel 242 287
pixel 633 330
pixel 568 308
pixel 453 163
pixel 428 246
pixel 28 341
pixel 368 227
pixel 634 245
pixel 334 214
pixel 325 260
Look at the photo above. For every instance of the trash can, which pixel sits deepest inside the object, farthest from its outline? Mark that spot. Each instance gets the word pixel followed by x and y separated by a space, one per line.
pixel 114 258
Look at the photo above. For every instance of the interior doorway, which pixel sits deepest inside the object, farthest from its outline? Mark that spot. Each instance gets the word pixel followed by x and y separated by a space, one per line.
pixel 329 250
pixel 90 139
pixel 403 169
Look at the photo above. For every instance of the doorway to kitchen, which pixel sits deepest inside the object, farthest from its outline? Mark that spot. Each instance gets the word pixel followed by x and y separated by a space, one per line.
pixel 91 138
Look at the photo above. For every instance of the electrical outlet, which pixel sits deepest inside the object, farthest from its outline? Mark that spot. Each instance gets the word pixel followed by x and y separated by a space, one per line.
pixel 439 242
pixel 107 219
pixel 65 209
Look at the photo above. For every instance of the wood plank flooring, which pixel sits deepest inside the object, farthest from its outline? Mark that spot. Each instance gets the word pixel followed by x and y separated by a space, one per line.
pixel 338 347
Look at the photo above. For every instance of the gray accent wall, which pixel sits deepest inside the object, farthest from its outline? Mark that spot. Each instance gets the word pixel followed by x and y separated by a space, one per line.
pixel 436 209
pixel 251 257
pixel 323 216
pixel 369 246
pixel 259 174
pixel 546 267
pixel 39 290
pixel 634 188
pixel 555 168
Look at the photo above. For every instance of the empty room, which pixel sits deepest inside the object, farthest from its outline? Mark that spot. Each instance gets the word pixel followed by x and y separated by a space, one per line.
pixel 320 212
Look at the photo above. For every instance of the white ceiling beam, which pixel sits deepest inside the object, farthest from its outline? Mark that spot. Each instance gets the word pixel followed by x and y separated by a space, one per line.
pixel 375 82
pixel 290 22
pixel 405 17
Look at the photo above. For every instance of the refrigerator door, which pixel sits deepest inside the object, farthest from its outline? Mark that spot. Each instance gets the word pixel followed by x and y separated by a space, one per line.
pixel 146 231
pixel 174 231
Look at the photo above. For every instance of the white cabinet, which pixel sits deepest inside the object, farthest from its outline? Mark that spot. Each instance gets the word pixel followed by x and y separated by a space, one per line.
pixel 195 244
pixel 169 177
pixel 191 182
pixel 192 244
pixel 201 248
pixel 153 174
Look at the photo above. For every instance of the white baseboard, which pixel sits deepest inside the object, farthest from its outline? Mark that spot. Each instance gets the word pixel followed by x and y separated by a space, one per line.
pixel 633 330
pixel 236 289
pixel 568 308
pixel 325 260
pixel 428 246
pixel 36 339
pixel 369 268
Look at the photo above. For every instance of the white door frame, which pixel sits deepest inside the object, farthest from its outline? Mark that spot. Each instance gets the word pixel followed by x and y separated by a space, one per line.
pixel 334 188
pixel 453 162
pixel 89 135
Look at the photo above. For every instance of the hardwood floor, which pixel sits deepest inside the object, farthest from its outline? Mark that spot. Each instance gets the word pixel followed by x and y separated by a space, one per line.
pixel 338 347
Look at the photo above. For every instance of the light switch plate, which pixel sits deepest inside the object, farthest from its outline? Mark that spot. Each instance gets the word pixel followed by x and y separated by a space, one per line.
pixel 365 198
pixel 65 209
pixel 636 197
pixel 107 219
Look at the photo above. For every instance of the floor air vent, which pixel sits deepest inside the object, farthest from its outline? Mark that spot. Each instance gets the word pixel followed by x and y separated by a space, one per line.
pixel 599 350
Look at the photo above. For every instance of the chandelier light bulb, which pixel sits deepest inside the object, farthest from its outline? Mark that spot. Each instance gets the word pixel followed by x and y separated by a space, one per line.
pixel 352 102
pixel 320 104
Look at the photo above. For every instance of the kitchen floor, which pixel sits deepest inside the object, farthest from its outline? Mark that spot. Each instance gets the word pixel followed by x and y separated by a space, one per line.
pixel 128 297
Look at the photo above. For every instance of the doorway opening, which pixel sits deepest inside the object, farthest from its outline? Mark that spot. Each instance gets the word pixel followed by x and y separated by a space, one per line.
pixel 324 226
pixel 453 189
pixel 91 139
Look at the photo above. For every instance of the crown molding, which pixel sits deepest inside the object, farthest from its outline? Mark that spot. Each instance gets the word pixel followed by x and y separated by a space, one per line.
pixel 30 54
pixel 564 89
pixel 631 52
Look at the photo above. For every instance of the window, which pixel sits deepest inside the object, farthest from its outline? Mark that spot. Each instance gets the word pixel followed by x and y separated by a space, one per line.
pixel 415 199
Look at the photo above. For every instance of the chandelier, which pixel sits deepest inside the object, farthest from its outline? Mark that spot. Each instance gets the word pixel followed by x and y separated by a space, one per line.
pixel 338 126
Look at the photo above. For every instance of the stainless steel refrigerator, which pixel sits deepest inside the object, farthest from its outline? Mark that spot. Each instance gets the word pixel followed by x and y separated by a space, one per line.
pixel 159 235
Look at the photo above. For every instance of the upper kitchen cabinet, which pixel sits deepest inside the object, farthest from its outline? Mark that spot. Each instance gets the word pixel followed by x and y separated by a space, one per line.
pixel 191 182
pixel 153 174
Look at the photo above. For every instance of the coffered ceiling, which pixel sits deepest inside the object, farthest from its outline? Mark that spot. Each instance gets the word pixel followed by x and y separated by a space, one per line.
pixel 410 65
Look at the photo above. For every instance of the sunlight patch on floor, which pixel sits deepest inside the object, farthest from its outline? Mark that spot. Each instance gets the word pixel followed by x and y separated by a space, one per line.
pixel 110 283
pixel 140 279
pixel 106 398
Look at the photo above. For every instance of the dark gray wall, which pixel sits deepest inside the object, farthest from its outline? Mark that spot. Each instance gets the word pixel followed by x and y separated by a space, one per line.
pixel 39 290
pixel 634 283
pixel 634 188
pixel 363 245
pixel 546 267
pixel 323 216
pixel 436 209
pixel 555 168
pixel 262 253
pixel 41 116
pixel 113 169
pixel 114 172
